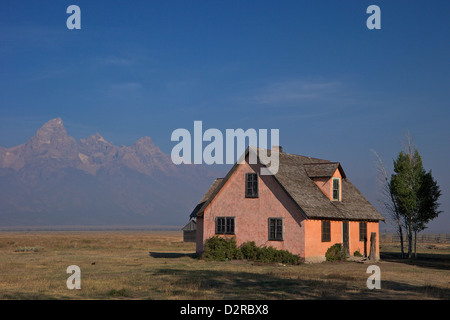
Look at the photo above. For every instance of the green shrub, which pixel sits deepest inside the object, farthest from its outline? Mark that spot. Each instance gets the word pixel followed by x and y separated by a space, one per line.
pixel 249 250
pixel 270 254
pixel 267 254
pixel 357 254
pixel 336 253
pixel 217 248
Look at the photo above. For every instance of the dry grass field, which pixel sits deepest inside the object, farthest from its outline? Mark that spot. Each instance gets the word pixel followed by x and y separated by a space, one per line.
pixel 159 265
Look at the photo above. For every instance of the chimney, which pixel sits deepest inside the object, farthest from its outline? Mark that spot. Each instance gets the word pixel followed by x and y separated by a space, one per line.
pixel 277 148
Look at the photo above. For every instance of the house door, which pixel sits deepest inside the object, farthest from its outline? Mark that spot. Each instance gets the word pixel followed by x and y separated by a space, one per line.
pixel 345 237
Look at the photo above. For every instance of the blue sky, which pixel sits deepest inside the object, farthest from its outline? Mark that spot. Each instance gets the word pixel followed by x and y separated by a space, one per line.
pixel 311 69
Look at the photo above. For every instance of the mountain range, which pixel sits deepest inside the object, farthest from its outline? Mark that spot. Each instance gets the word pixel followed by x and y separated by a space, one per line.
pixel 55 180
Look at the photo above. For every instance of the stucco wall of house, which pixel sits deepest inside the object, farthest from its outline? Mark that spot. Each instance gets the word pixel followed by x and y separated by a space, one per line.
pixel 199 235
pixel 252 214
pixel 315 249
pixel 356 245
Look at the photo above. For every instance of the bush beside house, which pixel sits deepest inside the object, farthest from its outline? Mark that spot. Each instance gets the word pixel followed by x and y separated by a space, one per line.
pixel 336 253
pixel 222 249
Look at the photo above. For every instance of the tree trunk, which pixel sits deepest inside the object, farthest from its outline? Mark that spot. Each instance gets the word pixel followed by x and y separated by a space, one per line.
pixel 415 244
pixel 373 246
pixel 400 231
pixel 410 242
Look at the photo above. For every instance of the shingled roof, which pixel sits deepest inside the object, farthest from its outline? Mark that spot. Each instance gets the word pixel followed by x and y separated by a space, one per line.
pixel 294 176
pixel 323 169
pixel 206 198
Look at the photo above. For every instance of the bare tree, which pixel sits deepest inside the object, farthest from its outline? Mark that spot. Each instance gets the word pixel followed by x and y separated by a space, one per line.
pixel 387 199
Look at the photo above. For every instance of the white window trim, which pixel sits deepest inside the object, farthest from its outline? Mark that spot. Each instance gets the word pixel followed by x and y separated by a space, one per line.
pixel 340 188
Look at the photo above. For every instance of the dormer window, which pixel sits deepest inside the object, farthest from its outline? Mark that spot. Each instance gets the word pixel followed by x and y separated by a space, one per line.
pixel 328 177
pixel 336 189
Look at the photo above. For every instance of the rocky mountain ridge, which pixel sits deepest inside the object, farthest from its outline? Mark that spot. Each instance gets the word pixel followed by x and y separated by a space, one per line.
pixel 52 179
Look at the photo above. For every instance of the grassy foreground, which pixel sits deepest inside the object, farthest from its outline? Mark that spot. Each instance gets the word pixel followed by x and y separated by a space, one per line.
pixel 159 265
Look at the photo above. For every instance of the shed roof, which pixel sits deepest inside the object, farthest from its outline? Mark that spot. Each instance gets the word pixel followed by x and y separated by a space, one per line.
pixel 190 226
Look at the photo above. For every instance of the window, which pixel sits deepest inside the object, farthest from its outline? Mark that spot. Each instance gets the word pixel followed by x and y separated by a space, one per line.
pixel 336 188
pixel 276 229
pixel 326 231
pixel 225 225
pixel 251 185
pixel 362 231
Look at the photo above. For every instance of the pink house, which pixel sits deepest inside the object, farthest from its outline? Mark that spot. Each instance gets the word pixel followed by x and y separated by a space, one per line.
pixel 305 208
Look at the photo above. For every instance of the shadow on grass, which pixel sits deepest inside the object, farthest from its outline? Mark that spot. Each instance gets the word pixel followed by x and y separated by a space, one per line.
pixel 171 255
pixel 425 260
pixel 28 296
pixel 224 284
pixel 426 291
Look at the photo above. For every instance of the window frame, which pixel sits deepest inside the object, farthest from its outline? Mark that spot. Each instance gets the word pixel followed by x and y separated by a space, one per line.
pixel 338 189
pixel 228 226
pixel 251 185
pixel 363 235
pixel 277 227
pixel 326 230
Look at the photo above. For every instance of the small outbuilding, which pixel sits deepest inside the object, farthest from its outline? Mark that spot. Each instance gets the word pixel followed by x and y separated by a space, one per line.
pixel 190 232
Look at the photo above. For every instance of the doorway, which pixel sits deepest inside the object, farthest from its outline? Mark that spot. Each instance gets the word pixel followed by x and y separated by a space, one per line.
pixel 345 241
